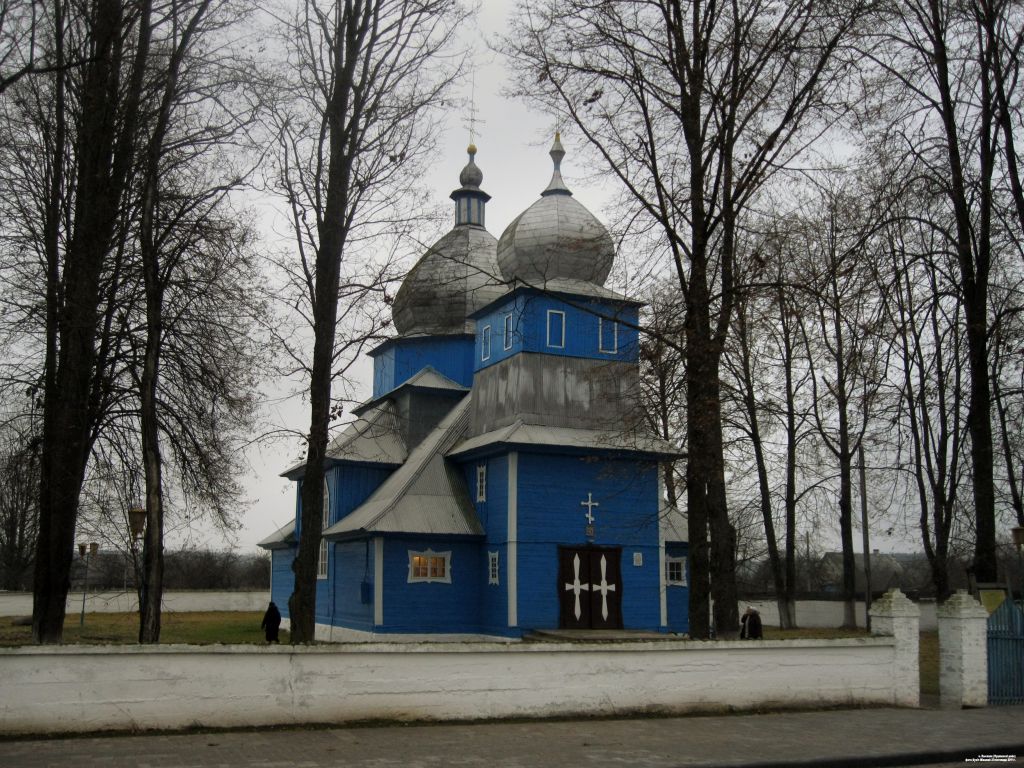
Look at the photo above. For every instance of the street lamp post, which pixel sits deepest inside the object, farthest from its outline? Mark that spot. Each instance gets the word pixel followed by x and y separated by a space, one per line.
pixel 86 552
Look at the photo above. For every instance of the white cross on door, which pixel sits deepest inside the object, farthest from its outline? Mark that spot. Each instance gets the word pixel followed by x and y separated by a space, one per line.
pixel 576 587
pixel 604 588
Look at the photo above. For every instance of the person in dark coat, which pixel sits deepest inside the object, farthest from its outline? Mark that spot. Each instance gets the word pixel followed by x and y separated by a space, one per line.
pixel 750 625
pixel 271 622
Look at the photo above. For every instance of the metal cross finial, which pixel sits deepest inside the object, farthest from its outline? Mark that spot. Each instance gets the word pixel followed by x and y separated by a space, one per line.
pixel 589 504
pixel 472 121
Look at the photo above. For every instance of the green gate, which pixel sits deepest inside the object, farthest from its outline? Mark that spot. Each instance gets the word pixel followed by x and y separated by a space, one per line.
pixel 1006 655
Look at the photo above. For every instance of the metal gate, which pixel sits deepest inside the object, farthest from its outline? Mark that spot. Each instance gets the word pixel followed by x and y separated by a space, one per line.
pixel 1006 655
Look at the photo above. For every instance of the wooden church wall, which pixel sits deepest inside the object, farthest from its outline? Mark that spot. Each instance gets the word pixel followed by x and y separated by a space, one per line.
pixel 352 566
pixel 282 579
pixel 677 598
pixel 550 491
pixel 493 515
pixel 403 359
pixel 432 606
pixel 530 330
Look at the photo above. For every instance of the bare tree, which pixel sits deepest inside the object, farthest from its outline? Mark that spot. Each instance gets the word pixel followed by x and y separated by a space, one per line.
pixel 691 106
pixel 947 90
pixel 354 128
pixel 53 186
pixel 19 495
pixel 843 349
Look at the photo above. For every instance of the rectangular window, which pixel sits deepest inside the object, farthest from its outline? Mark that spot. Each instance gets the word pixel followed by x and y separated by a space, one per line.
pixel 481 482
pixel 556 329
pixel 607 335
pixel 675 571
pixel 492 567
pixel 485 343
pixel 508 331
pixel 430 566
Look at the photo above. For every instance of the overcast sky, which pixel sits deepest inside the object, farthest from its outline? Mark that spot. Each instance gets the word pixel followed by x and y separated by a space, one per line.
pixel 512 143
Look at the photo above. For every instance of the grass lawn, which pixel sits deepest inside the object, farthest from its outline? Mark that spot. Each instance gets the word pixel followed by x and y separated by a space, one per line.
pixel 123 628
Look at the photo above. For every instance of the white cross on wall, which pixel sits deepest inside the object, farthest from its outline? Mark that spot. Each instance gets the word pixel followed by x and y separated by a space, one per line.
pixel 576 586
pixel 589 504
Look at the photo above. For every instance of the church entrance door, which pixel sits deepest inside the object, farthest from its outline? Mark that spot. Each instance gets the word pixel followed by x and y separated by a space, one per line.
pixel 590 587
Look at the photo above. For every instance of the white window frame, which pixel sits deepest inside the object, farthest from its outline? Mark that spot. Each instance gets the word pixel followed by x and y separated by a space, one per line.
pixel 681 562
pixel 601 334
pixel 485 343
pixel 481 482
pixel 493 572
pixel 561 344
pixel 431 569
pixel 508 332
pixel 325 521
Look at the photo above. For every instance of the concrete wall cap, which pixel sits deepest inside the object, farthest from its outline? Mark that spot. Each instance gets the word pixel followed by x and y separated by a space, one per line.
pixel 895 604
pixel 962 605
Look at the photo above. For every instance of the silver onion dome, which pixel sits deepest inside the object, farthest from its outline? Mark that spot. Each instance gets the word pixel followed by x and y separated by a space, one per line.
pixel 556 238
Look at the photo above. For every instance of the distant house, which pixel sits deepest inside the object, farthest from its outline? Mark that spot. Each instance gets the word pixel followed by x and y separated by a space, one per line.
pixel 494 482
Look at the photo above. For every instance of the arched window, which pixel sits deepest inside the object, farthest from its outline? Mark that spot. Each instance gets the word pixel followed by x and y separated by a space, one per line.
pixel 321 562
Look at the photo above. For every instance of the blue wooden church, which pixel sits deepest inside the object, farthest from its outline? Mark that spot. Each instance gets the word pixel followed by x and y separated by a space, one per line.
pixel 500 479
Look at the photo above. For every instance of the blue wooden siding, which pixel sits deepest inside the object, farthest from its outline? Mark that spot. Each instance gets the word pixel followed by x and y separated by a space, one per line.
pixel 397 360
pixel 432 606
pixel 493 515
pixel 678 598
pixel 550 489
pixel 282 578
pixel 352 567
pixel 529 315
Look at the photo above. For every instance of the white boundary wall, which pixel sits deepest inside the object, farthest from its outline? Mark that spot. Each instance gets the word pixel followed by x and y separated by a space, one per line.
pixel 51 689
pixel 20 603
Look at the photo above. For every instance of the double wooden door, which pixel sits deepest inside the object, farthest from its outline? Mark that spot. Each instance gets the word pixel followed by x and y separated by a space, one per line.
pixel 590 587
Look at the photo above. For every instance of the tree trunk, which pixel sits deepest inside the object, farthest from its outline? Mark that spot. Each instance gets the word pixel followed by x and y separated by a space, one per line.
pixel 67 418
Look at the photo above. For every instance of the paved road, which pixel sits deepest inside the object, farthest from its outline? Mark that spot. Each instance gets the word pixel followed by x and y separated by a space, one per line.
pixel 864 737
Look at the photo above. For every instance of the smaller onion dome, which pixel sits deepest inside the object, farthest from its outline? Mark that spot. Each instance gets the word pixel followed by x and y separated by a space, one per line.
pixel 471 176
pixel 556 238
pixel 458 274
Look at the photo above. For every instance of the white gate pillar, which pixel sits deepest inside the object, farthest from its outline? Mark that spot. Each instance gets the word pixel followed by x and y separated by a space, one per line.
pixel 963 652
pixel 895 615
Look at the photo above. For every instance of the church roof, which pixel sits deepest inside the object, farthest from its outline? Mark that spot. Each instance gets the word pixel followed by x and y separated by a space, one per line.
pixel 373 438
pixel 519 433
pixel 282 538
pixel 456 276
pixel 427 378
pixel 673 523
pixel 426 495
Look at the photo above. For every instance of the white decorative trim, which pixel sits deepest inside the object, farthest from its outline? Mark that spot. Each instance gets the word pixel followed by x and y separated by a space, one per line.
pixel 433 559
pixel 325 523
pixel 511 565
pixel 551 312
pixel 481 482
pixel 507 337
pixel 485 343
pixel 600 336
pixel 682 581
pixel 493 572
pixel 378 580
